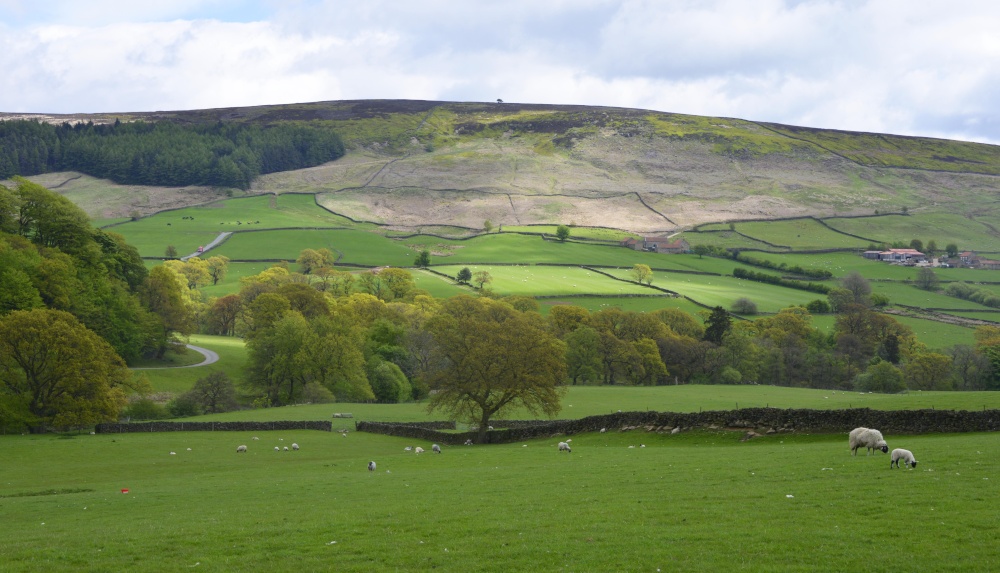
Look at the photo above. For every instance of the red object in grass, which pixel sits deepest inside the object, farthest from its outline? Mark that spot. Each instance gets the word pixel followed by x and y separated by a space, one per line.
pixel 125 490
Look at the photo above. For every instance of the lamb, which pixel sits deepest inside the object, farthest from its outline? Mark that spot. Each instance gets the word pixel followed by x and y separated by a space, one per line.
pixel 239 449
pixel 371 466
pixel 564 447
pixel 419 450
pixel 871 439
pixel 436 449
pixel 905 455
pixel 295 447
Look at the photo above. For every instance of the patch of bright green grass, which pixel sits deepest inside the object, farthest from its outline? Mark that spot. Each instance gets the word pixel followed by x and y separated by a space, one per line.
pixel 803 233
pixel 634 304
pixel 438 286
pixel 356 247
pixel 598 233
pixel 542 280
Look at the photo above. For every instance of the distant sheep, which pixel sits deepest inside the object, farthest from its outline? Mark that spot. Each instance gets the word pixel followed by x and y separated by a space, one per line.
pixel 239 449
pixel 286 448
pixel 295 446
pixel 604 430
pixel 436 449
pixel 676 430
pixel 256 438
pixel 870 439
pixel 419 450
pixel 371 466
pixel 408 449
pixel 468 442
pixel 564 447
pixel 277 449
pixel 905 455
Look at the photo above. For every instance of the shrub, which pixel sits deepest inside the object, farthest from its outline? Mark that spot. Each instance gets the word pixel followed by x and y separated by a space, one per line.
pixel 743 305
pixel 818 306
pixel 145 409
pixel 184 406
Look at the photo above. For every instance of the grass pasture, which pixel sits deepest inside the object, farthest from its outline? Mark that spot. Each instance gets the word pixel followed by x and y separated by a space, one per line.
pixel 942 228
pixel 636 304
pixel 799 234
pixel 698 501
pixel 232 358
pixel 539 280
pixel 355 246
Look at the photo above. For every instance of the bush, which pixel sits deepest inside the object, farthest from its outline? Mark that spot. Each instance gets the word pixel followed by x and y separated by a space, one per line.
pixel 730 375
pixel 184 406
pixel 743 305
pixel 818 306
pixel 389 384
pixel 316 393
pixel 145 409
pixel 880 377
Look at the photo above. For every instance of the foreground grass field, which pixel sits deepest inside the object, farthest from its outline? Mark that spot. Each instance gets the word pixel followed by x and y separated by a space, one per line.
pixel 697 501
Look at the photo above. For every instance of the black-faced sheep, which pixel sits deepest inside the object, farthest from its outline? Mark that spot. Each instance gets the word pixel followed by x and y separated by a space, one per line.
pixel 564 447
pixel 870 439
pixel 371 466
pixel 905 455
pixel 239 450
pixel 436 449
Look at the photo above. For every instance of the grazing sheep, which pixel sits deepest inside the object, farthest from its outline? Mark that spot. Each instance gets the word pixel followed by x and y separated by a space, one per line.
pixel 871 439
pixel 239 450
pixel 676 430
pixel 295 447
pixel 408 449
pixel 905 455
pixel 371 466
pixel 255 438
pixel 419 450
pixel 436 449
pixel 564 447
pixel 604 430
pixel 468 442
pixel 286 448
pixel 277 449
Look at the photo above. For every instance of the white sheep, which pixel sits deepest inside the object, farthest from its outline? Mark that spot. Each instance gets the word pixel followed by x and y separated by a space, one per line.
pixel 277 449
pixel 255 438
pixel 436 449
pixel 871 439
pixel 604 430
pixel 468 442
pixel 286 448
pixel 419 450
pixel 371 466
pixel 408 449
pixel 564 447
pixel 905 455
pixel 239 450
pixel 295 446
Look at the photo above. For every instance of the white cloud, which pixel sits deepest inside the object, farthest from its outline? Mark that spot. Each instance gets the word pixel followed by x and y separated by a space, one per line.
pixel 900 66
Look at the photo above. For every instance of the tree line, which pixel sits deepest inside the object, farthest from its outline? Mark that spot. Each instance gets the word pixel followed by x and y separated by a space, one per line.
pixel 164 153
pixel 76 304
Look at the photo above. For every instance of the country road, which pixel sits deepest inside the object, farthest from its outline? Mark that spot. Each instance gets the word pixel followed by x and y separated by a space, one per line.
pixel 211 357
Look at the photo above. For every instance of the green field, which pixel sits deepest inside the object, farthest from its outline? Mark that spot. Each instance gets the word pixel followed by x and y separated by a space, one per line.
pixel 532 280
pixel 596 233
pixel 798 234
pixel 635 304
pixel 697 501
pixel 942 228
pixel 355 246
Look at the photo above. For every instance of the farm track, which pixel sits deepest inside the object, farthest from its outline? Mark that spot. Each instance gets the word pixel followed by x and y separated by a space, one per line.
pixel 211 357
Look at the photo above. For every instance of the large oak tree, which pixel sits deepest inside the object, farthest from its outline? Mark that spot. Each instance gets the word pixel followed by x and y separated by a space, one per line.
pixel 54 372
pixel 493 359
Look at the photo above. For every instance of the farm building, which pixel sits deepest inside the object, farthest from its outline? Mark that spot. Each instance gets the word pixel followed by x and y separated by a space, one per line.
pixel 971 260
pixel 896 256
pixel 658 245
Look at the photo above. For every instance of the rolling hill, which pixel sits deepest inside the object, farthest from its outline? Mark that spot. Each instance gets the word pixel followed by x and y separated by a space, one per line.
pixel 413 164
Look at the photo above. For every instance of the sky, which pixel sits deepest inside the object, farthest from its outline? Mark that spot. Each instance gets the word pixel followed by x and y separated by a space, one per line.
pixel 908 67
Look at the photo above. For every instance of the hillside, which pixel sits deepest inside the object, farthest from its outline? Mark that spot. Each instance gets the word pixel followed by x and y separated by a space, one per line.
pixel 416 163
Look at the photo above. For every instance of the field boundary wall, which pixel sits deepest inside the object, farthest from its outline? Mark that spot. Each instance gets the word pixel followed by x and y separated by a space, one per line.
pixel 124 428
pixel 762 420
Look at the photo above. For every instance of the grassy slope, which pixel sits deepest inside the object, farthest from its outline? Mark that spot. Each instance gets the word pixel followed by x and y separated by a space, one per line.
pixel 692 502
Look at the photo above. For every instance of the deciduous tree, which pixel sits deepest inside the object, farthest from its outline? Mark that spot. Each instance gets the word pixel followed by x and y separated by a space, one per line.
pixel 642 274
pixel 494 359
pixel 56 372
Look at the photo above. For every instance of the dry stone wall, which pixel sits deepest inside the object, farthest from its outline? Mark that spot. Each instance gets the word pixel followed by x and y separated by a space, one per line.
pixel 760 420
pixel 323 425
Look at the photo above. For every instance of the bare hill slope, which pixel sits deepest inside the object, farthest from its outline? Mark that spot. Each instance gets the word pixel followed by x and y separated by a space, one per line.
pixel 415 163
